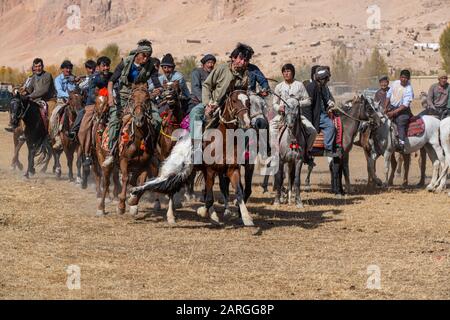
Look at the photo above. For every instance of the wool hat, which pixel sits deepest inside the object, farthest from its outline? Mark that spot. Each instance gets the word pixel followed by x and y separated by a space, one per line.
pixel 168 61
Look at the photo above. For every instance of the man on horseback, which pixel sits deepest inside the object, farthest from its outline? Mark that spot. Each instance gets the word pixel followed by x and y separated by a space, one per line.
pixel 321 103
pixel 439 97
pixel 222 80
pixel 39 88
pixel 136 68
pixel 64 83
pixel 198 76
pixel 397 106
pixel 170 75
pixel 293 93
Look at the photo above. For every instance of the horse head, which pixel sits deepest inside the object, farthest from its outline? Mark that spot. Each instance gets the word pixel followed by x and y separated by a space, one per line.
pixel 75 100
pixel 17 108
pixel 141 99
pixel 237 109
pixel 171 94
pixel 291 117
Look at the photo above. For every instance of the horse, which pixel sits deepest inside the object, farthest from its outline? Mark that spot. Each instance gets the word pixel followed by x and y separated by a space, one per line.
pixel 74 104
pixel 429 140
pixel 178 168
pixel 36 134
pixel 136 148
pixel 97 128
pixel 444 129
pixel 259 122
pixel 292 149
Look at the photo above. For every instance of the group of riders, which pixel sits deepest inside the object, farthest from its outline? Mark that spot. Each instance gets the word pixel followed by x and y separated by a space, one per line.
pixel 210 85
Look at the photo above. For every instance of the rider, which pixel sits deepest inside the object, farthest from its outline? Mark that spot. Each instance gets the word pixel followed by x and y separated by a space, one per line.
pixel 439 96
pixel 198 76
pixel 380 95
pixel 84 118
pixel 169 75
pixel 222 80
pixel 64 83
pixel 39 86
pixel 294 93
pixel 321 102
pixel 84 85
pixel 397 105
pixel 138 67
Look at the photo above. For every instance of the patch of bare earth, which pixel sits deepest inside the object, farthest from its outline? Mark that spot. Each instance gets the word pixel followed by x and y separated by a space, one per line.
pixel 320 252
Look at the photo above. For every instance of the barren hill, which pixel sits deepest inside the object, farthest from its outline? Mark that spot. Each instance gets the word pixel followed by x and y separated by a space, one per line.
pixel 284 30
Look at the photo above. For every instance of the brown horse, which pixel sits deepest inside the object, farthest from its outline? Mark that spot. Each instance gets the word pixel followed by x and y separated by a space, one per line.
pixel 178 168
pixel 74 104
pixel 136 146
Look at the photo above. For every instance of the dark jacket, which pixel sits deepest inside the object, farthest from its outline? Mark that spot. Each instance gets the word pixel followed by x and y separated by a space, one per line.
pixel 319 101
pixel 255 76
pixel 99 81
pixel 198 76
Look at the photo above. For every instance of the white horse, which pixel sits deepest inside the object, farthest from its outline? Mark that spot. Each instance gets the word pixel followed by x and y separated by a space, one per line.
pixel 445 143
pixel 428 140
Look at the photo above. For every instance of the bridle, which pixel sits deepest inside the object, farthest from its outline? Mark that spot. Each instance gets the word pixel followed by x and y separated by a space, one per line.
pixel 229 108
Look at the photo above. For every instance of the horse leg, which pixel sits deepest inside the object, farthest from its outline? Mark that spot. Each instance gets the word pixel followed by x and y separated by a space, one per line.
pixel 123 194
pixel 69 156
pixel 57 166
pixel 297 182
pixel 406 164
pixel 101 203
pixel 393 170
pixel 423 166
pixel 234 176
pixel 224 184
pixel 208 209
pixel 346 170
pixel 86 170
pixel 79 165
pixel 133 201
pixel 308 178
pixel 279 184
pixel 291 178
pixel 399 160
pixel 249 170
pixel 30 160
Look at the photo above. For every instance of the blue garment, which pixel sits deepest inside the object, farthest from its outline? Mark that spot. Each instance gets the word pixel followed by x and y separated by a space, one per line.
pixel 329 131
pixel 63 86
pixel 99 81
pixel 256 77
pixel 175 76
pixel 134 73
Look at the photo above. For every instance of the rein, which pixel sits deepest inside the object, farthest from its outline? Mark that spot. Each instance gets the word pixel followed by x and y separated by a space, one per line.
pixel 232 112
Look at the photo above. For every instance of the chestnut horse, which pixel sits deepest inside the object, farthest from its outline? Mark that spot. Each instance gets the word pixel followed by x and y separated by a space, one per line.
pixel 178 167
pixel 74 104
pixel 135 147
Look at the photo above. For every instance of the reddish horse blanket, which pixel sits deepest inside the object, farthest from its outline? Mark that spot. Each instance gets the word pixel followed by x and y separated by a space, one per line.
pixel 416 127
pixel 319 142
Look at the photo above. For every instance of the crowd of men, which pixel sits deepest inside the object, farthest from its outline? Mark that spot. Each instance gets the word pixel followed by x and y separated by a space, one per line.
pixel 210 85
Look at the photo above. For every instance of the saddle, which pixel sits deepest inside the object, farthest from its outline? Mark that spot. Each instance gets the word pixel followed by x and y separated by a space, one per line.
pixel 319 144
pixel 416 127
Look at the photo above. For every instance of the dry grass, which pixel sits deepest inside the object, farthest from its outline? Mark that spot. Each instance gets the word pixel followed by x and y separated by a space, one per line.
pixel 320 252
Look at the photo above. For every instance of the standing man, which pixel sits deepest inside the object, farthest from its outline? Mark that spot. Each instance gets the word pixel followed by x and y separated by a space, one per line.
pixel 294 93
pixel 439 96
pixel 318 113
pixel 64 83
pixel 136 68
pixel 398 106
pixel 199 76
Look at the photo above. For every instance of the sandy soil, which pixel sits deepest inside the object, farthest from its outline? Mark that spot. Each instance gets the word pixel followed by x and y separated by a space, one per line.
pixel 320 252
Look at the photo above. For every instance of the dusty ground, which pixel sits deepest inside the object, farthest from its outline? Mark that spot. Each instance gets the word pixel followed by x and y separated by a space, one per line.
pixel 320 252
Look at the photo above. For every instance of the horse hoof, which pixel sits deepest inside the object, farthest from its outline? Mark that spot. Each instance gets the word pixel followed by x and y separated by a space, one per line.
pixel 248 222
pixel 227 213
pixel 338 196
pixel 120 211
pixel 215 218
pixel 171 221
pixel 307 188
pixel 430 188
pixel 133 200
pixel 276 202
pixel 299 205
pixel 157 205
pixel 134 210
pixel 100 213
pixel 78 181
pixel 202 212
pixel 177 205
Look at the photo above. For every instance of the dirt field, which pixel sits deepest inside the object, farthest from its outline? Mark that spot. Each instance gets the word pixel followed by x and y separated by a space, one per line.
pixel 320 252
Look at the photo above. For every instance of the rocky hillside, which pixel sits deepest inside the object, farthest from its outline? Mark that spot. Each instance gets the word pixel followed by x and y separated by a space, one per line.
pixel 306 31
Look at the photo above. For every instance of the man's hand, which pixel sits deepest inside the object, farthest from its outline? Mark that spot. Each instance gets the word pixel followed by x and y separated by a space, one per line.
pixel 111 101
pixel 210 108
pixel 263 93
pixel 281 109
pixel 330 104
pixel 157 91
pixel 390 114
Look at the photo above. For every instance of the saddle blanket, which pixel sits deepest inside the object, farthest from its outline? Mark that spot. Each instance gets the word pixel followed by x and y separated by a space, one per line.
pixel 416 127
pixel 319 142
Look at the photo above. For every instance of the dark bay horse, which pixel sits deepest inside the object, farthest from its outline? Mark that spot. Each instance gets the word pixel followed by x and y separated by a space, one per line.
pixel 36 134
pixel 136 148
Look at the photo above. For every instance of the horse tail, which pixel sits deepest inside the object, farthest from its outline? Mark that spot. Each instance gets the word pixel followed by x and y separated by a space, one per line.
pixel 44 151
pixel 175 171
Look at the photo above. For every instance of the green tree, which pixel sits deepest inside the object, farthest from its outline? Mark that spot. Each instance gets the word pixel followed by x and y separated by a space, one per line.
pixel 444 42
pixel 372 69
pixel 186 66
pixel 341 69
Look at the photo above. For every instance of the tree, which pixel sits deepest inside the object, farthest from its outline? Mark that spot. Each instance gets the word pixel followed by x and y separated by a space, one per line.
pixel 91 53
pixel 341 69
pixel 372 69
pixel 186 66
pixel 112 51
pixel 444 42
